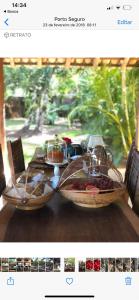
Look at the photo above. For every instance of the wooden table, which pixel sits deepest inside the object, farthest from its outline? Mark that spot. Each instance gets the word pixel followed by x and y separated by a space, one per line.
pixel 62 221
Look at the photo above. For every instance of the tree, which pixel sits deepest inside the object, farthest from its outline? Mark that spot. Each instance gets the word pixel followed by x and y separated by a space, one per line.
pixel 102 98
pixel 106 107
pixel 36 85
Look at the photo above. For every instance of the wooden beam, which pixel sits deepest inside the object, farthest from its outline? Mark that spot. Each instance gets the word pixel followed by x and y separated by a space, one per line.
pixel 96 62
pixel 68 63
pixel 39 62
pixel 125 62
pixel 2 108
pixel 83 62
pixel 12 62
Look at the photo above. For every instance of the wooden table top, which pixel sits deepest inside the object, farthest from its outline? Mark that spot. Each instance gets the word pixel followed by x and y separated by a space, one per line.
pixel 61 220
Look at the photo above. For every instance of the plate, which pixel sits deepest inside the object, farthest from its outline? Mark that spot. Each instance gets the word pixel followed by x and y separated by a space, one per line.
pixel 75 157
pixel 65 162
pixel 40 155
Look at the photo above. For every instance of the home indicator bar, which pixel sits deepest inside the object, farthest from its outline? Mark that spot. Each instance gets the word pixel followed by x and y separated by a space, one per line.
pixel 70 296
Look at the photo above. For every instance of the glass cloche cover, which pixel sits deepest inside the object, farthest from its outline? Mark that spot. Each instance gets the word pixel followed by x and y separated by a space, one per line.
pixel 57 150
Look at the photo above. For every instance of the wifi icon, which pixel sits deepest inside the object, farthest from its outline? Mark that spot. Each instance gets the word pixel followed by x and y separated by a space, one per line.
pixel 118 7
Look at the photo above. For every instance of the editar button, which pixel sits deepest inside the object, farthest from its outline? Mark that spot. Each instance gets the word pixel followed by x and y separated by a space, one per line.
pixel 124 22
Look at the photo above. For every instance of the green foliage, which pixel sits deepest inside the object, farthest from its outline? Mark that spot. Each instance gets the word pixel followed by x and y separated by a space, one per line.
pixel 92 96
pixel 102 108
pixel 50 114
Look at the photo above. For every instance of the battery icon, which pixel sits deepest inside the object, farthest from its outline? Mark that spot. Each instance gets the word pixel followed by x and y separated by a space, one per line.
pixel 127 7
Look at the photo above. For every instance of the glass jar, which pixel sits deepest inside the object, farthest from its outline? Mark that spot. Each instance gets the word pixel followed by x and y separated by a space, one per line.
pixel 99 161
pixel 56 150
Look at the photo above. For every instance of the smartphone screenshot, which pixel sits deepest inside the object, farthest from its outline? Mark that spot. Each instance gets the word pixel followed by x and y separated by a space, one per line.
pixel 69 150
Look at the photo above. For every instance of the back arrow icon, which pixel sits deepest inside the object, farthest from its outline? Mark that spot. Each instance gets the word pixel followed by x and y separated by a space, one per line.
pixel 6 22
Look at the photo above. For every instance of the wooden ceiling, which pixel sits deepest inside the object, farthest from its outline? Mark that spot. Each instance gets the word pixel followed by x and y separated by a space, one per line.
pixel 68 62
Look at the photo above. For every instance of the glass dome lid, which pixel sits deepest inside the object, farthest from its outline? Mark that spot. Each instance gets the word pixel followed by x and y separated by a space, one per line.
pixel 56 150
pixel 84 187
pixel 84 173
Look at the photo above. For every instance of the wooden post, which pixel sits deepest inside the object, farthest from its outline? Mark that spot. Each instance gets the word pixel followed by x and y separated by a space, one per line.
pixel 137 122
pixel 125 101
pixel 2 109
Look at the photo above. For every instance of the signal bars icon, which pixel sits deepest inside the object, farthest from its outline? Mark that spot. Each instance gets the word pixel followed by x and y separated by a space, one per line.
pixel 110 7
